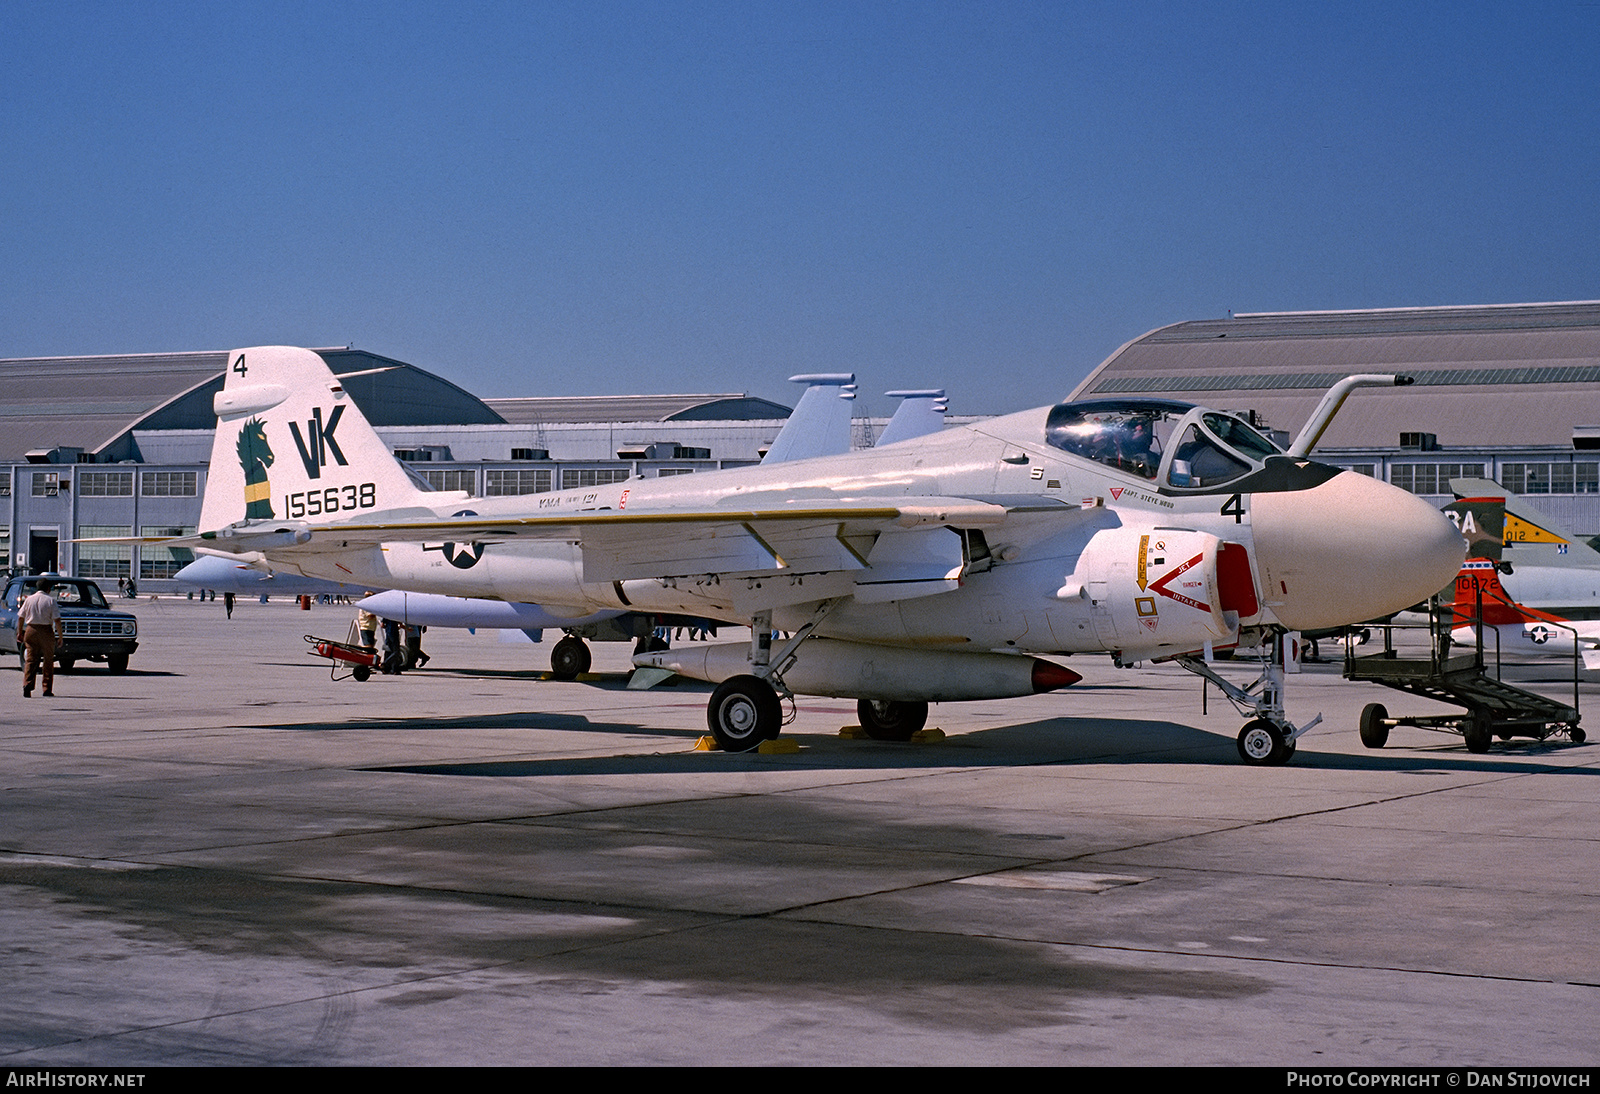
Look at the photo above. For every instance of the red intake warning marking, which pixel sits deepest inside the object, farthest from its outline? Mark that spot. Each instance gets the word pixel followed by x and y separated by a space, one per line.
pixel 1160 585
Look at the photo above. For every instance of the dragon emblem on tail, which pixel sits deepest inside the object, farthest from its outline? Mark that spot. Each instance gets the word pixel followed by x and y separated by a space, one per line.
pixel 255 456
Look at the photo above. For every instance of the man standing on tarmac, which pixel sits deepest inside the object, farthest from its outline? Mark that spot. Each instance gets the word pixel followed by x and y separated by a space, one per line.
pixel 38 627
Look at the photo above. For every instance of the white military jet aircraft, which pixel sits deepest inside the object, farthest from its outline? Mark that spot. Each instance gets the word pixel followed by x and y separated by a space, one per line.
pixel 926 571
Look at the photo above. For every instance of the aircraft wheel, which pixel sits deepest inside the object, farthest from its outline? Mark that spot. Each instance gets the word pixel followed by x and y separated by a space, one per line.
pixel 889 720
pixel 1261 744
pixel 1374 734
pixel 1478 731
pixel 117 662
pixel 569 658
pixel 743 712
pixel 1577 736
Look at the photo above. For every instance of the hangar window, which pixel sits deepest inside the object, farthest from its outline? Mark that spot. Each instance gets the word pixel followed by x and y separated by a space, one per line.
pixel 499 484
pixel 105 484
pixel 1550 478
pixel 159 562
pixel 452 480
pixel 46 484
pixel 585 476
pixel 100 560
pixel 1431 478
pixel 169 484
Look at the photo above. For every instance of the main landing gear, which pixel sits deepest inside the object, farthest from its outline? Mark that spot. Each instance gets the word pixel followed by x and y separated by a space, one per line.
pixel 747 709
pixel 1268 738
pixel 743 712
pixel 890 720
pixel 570 658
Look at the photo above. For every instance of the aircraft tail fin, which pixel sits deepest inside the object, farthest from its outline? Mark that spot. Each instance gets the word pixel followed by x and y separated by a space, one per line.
pixel 1481 575
pixel 920 413
pixel 292 445
pixel 1481 522
pixel 819 425
pixel 1530 535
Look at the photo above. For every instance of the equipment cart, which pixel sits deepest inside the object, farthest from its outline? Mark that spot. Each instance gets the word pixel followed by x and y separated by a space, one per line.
pixel 1493 708
pixel 350 654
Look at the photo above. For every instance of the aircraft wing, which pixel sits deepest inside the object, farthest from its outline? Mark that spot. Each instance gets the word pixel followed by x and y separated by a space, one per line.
pixel 885 547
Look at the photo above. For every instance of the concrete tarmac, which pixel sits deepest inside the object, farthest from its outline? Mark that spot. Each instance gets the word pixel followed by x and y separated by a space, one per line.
pixel 225 857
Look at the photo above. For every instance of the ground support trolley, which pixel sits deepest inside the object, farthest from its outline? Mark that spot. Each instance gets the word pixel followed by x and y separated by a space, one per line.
pixel 358 659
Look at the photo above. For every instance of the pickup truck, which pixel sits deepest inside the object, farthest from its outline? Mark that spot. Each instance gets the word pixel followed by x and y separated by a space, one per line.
pixel 91 630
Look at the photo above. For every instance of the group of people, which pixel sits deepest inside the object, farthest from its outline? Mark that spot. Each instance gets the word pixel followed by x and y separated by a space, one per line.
pixel 396 655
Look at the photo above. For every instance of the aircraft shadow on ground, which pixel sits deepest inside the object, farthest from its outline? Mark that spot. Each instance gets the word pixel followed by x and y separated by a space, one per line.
pixel 529 720
pixel 1059 742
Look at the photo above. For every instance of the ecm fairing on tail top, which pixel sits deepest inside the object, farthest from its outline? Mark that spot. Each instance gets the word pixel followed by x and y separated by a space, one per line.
pixel 909 574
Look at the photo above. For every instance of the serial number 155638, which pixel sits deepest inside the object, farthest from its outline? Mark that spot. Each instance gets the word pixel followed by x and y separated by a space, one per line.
pixel 315 503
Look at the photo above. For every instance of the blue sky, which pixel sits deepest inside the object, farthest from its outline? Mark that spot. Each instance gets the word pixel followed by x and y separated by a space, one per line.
pixel 589 198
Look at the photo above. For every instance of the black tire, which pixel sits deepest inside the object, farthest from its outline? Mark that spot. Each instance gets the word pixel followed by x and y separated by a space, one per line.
pixel 117 663
pixel 890 720
pixel 1478 730
pixel 1374 734
pixel 361 673
pixel 1577 736
pixel 570 658
pixel 66 663
pixel 1262 744
pixel 743 712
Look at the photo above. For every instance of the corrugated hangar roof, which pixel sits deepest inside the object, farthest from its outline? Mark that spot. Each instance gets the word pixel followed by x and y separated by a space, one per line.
pixel 735 407
pixel 95 403
pixel 1505 374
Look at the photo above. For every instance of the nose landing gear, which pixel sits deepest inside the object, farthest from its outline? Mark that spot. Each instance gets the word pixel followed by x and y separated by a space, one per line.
pixel 1267 739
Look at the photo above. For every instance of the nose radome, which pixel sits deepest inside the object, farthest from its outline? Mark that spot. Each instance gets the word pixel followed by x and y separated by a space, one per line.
pixel 1349 550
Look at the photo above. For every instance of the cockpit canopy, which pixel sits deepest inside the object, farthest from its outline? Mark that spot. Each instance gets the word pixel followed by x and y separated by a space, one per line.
pixel 1177 446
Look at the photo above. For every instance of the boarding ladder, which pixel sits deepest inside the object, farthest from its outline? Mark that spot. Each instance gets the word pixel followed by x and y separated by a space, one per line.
pixel 1493 707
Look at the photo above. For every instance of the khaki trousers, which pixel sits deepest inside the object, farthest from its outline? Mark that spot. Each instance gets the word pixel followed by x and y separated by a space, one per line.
pixel 40 644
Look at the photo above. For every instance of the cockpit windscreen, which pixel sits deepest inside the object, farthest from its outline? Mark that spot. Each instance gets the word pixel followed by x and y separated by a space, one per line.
pixel 1175 445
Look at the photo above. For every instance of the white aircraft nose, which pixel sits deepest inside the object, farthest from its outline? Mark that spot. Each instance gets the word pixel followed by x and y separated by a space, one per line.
pixel 1349 550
